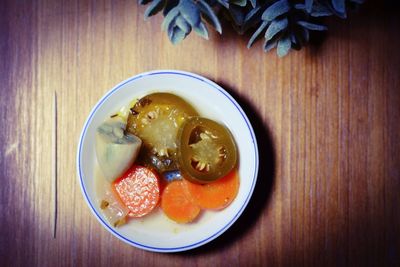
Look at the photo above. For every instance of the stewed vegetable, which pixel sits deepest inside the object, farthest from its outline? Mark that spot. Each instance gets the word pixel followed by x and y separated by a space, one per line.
pixel 156 118
pixel 164 154
pixel 177 204
pixel 139 190
pixel 116 150
pixel 207 150
pixel 215 195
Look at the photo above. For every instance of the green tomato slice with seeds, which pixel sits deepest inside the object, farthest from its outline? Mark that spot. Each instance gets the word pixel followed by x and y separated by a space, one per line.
pixel 156 119
pixel 206 151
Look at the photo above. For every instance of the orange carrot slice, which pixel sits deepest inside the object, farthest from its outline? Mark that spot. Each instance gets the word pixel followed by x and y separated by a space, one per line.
pixel 177 205
pixel 215 195
pixel 139 190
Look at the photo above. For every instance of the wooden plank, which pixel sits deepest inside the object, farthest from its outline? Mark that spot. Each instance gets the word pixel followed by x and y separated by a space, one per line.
pixel 327 120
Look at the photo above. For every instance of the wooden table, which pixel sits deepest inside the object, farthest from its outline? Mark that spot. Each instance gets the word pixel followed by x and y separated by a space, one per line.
pixel 327 120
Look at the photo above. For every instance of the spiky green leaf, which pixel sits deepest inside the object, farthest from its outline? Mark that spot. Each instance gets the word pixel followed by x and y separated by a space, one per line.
pixel 169 18
pixel 320 10
pixel 201 30
pixel 190 12
pixel 169 5
pixel 155 7
pixel 224 3
pixel 339 6
pixel 312 26
pixel 268 45
pixel 209 15
pixel 283 47
pixel 170 30
pixel 238 2
pixel 275 10
pixel 275 27
pixel 308 5
pixel 257 33
pixel 177 35
pixel 183 24
pixel 252 18
pixel 252 13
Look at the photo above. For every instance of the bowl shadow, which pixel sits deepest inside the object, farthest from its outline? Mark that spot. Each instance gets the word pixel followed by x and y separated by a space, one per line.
pixel 263 188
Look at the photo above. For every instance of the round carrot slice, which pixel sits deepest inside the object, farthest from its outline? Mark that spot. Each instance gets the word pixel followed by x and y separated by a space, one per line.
pixel 177 205
pixel 215 195
pixel 139 190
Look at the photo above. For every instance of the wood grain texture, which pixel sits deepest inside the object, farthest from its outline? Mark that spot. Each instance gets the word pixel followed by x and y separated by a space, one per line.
pixel 327 120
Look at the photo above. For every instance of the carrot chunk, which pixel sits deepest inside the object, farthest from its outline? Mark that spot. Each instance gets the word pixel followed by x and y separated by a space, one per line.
pixel 215 195
pixel 139 190
pixel 176 203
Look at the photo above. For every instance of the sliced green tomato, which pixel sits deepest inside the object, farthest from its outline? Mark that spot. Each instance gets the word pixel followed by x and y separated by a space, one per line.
pixel 156 119
pixel 206 151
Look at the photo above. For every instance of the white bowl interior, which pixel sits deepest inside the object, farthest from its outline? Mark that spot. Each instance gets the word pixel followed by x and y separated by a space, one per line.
pixel 156 232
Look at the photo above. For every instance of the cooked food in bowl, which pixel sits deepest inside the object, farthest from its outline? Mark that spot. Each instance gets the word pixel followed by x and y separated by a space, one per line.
pixel 160 155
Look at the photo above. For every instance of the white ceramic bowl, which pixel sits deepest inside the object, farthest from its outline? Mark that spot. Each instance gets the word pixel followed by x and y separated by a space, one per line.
pixel 155 232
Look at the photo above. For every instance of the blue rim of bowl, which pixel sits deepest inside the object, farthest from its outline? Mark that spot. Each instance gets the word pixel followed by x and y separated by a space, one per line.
pixel 209 83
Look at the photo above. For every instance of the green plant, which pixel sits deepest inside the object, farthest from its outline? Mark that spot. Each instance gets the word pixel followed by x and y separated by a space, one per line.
pixel 285 24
